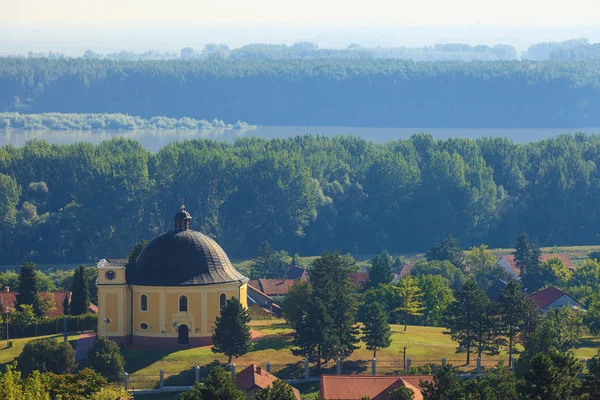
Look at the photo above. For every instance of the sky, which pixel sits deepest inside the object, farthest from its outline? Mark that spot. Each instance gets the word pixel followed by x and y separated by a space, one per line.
pixel 73 26
pixel 319 12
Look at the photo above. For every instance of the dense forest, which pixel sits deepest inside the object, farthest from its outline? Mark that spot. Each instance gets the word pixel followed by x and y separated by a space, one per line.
pixel 88 122
pixel 361 92
pixel 71 203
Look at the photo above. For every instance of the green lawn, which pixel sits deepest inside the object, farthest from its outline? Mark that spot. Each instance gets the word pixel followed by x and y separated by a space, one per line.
pixel 7 355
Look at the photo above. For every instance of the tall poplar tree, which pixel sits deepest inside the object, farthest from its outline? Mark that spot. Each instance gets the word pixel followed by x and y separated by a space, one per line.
pixel 232 333
pixel 80 295
pixel 28 289
pixel 376 331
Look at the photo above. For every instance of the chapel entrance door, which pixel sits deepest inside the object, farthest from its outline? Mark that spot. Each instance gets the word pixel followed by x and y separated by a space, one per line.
pixel 184 334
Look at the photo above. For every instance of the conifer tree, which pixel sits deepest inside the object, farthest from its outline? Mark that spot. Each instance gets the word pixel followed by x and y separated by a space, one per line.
pixel 232 333
pixel 377 333
pixel 466 320
pixel 410 296
pixel 328 326
pixel 552 375
pixel 80 295
pixel 219 385
pixel 527 257
pixel 512 309
pixel 28 289
pixel 380 271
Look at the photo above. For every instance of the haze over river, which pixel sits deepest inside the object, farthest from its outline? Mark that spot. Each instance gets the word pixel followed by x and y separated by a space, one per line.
pixel 153 140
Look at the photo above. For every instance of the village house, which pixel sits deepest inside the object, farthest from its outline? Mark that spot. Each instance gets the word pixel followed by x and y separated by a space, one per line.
pixel 253 379
pixel 353 387
pixel 509 264
pixel 550 298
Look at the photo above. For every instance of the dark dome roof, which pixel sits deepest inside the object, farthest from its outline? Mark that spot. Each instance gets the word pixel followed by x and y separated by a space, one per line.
pixel 183 215
pixel 182 258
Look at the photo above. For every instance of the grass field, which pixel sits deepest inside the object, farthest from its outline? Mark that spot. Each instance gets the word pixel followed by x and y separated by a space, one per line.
pixel 8 354
pixel 424 345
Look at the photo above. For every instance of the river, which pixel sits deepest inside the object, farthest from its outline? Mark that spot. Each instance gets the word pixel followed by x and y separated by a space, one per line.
pixel 154 140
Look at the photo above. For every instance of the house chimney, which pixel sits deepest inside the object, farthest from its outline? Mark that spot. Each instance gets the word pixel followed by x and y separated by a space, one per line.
pixel 6 289
pixel 259 370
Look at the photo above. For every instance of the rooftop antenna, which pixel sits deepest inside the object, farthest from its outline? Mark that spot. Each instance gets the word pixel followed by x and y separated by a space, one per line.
pixel 182 205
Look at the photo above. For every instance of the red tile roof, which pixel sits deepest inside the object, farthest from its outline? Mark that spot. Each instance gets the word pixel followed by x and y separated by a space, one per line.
pixel 256 377
pixel 545 297
pixel 7 299
pixel 273 287
pixel 510 259
pixel 405 269
pixel 360 278
pixel 353 387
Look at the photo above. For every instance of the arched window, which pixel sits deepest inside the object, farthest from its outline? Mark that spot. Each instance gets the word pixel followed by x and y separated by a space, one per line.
pixel 222 300
pixel 144 302
pixel 183 303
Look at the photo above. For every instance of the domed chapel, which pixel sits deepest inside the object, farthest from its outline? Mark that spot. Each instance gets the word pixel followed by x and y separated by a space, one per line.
pixel 172 294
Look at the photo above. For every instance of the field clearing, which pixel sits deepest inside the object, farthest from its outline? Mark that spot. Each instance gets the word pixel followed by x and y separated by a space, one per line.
pixel 8 354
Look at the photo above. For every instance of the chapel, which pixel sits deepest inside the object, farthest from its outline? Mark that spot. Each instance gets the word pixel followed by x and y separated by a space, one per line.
pixel 172 293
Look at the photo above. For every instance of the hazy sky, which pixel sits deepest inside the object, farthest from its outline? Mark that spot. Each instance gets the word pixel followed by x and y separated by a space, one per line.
pixel 335 12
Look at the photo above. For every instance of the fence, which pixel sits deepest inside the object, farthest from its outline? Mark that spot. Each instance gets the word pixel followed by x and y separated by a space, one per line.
pixel 306 370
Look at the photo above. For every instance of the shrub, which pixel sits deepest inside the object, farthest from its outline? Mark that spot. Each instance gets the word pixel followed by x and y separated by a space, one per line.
pixel 46 355
pixel 105 358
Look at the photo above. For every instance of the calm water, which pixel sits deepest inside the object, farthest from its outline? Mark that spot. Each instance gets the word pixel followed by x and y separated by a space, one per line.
pixel 154 140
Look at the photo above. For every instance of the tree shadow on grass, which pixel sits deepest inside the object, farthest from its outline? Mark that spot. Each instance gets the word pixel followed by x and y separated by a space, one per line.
pixel 138 359
pixel 273 342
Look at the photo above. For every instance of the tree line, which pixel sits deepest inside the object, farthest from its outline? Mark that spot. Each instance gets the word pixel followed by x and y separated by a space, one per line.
pixel 332 91
pixel 304 194
pixel 105 121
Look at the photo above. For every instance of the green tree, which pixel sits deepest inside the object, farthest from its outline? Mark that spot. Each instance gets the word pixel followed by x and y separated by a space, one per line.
pixel 329 327
pixel 380 271
pixel 79 386
pixel 483 266
pixel 445 269
pixel 80 296
pixel 279 391
pixel 496 384
pixel 9 279
pixel 219 385
pixel 295 301
pixel 470 323
pixel 554 272
pixel 552 375
pixel 512 310
pixel 448 250
pixel 402 393
pixel 28 289
pixel 446 385
pixel 410 296
pixel 591 382
pixel 527 257
pixel 376 331
pixel 23 318
pixel 46 355
pixel 136 250
pixel 105 358
pixel 270 263
pixel 437 296
pixel 232 333
pixel 12 387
